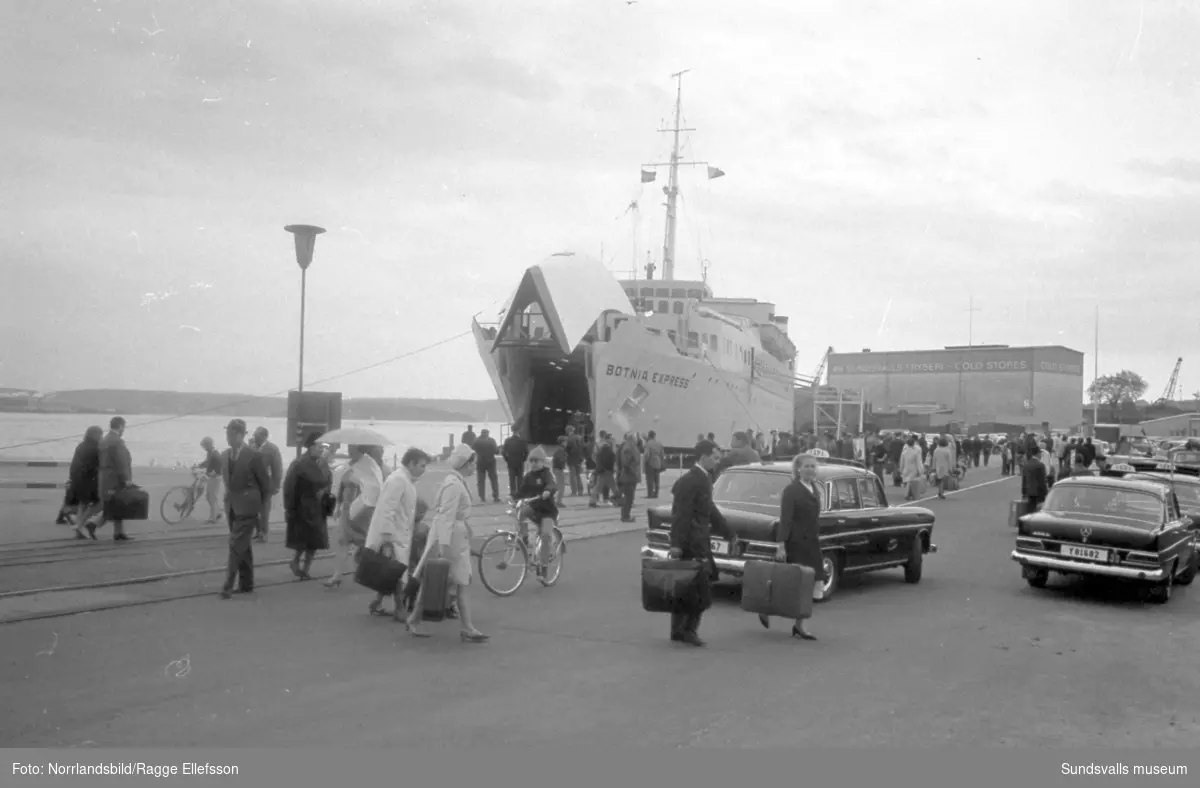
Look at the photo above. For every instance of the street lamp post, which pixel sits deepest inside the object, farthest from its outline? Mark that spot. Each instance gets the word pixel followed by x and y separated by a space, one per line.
pixel 305 236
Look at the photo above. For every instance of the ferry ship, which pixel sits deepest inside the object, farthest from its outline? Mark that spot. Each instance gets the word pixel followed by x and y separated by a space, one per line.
pixel 574 342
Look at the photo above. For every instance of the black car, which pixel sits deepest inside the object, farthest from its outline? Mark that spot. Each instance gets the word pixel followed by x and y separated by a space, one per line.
pixel 860 532
pixel 1129 529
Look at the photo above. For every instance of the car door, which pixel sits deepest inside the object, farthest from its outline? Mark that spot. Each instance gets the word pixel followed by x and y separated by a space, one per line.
pixel 1177 540
pixel 885 543
pixel 848 525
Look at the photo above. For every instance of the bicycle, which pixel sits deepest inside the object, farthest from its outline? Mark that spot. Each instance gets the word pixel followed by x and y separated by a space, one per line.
pixel 515 549
pixel 179 502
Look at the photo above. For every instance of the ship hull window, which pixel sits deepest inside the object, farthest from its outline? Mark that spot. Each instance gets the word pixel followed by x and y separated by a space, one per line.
pixel 679 307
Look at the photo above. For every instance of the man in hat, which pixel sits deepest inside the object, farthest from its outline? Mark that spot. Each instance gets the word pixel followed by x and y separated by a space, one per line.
pixel 247 485
pixel 274 462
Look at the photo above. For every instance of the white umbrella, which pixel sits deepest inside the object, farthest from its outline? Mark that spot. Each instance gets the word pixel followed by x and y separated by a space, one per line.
pixel 355 436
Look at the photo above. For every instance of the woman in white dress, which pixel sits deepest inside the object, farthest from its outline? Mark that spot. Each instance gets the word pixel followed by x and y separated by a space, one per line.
pixel 450 538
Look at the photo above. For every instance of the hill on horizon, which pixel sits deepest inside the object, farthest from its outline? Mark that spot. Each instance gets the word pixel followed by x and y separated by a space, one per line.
pixel 139 402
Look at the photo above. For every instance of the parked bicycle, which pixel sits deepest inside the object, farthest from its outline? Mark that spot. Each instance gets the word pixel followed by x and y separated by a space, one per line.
pixel 515 553
pixel 179 502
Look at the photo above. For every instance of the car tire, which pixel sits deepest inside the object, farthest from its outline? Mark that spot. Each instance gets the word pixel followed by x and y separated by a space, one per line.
pixel 832 560
pixel 1037 578
pixel 916 560
pixel 1189 574
pixel 1160 593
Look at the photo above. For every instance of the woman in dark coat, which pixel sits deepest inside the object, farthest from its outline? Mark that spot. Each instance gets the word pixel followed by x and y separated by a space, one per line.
pixel 800 529
pixel 83 485
pixel 304 488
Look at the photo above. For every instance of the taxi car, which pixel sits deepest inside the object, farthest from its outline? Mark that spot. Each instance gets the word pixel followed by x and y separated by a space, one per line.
pixel 860 532
pixel 1116 528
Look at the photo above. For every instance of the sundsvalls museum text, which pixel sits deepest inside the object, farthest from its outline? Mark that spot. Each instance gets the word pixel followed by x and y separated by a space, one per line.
pixel 646 376
pixel 124 769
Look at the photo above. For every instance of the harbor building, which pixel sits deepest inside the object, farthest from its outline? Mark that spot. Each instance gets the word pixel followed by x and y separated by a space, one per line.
pixel 981 387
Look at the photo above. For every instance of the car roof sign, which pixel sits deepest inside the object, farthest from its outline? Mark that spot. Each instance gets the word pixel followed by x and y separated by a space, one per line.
pixel 818 453
pixel 1123 466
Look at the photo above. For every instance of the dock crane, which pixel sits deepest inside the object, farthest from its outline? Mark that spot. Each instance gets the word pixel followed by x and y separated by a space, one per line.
pixel 1172 389
pixel 821 367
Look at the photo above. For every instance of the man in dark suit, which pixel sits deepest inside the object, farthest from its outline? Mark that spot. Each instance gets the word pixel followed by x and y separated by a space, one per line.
pixel 1034 484
pixel 247 485
pixel 273 460
pixel 515 452
pixel 693 517
pixel 116 473
pixel 485 464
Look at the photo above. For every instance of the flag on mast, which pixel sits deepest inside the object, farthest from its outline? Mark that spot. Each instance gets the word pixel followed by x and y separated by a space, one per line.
pixel 649 176
pixel 713 172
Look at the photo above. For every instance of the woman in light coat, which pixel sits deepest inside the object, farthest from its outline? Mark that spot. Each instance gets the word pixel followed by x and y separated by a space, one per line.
pixel 357 494
pixel 912 469
pixel 943 465
pixel 450 538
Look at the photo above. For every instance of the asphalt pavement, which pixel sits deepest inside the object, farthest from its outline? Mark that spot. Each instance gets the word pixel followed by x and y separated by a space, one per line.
pixel 971 655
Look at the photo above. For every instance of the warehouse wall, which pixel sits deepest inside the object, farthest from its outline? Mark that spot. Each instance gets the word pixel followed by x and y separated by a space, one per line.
pixel 1010 385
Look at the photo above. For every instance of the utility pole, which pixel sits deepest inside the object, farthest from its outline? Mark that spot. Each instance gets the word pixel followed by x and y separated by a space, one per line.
pixel 1096 372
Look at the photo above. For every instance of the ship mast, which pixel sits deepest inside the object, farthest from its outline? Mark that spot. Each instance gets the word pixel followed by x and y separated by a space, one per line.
pixel 672 187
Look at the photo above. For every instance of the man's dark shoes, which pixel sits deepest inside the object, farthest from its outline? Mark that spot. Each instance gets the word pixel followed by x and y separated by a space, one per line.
pixel 692 639
pixel 122 538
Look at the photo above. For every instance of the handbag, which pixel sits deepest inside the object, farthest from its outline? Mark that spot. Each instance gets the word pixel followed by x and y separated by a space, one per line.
pixel 670 586
pixel 379 570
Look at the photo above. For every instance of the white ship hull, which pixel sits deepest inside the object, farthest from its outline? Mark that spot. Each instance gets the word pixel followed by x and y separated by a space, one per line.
pixel 558 359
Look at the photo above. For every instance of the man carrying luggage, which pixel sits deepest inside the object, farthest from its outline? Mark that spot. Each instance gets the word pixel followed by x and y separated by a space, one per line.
pixel 693 517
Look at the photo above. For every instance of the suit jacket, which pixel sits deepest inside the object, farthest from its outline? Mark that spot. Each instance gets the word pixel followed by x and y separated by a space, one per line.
pixel 1033 479
pixel 247 483
pixel 116 466
pixel 274 462
pixel 800 526
pixel 693 514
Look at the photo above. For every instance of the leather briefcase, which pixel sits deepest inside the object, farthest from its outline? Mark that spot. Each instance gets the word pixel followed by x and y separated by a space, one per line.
pixel 128 503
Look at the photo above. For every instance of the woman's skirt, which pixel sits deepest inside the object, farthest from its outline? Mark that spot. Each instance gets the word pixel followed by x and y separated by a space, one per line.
pixel 307 535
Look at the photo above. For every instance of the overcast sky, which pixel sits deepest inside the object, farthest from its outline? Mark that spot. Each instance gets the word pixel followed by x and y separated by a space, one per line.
pixel 885 163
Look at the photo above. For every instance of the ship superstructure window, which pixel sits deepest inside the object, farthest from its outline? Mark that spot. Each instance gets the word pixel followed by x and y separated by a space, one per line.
pixel 664 307
pixel 712 341
pixel 695 294
pixel 647 292
pixel 679 307
pixel 629 291
pixel 679 293
pixel 662 292
pixel 693 339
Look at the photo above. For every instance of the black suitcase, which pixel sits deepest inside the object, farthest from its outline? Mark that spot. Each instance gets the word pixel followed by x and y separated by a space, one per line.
pixel 378 570
pixel 128 503
pixel 668 586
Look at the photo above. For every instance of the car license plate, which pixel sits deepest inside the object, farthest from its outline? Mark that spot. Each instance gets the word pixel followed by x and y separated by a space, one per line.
pixel 719 547
pixel 1086 553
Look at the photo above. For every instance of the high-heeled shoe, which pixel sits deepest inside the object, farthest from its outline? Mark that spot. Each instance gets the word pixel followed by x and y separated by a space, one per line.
pixel 473 637
pixel 803 634
pixel 333 582
pixel 294 565
pixel 414 631
pixel 766 622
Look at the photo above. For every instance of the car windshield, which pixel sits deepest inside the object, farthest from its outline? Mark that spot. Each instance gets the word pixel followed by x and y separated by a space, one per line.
pixel 1186 457
pixel 1137 506
pixel 759 488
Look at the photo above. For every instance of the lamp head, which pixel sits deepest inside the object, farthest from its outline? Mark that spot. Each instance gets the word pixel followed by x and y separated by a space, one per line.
pixel 306 239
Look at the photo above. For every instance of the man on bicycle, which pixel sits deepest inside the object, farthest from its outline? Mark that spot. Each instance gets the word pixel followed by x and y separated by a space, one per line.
pixel 212 465
pixel 537 493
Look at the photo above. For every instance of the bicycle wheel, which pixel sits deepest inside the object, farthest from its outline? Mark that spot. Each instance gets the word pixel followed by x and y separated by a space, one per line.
pixel 511 563
pixel 177 505
pixel 554 565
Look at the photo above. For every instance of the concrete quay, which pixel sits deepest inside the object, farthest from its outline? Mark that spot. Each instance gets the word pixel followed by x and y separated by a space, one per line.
pixel 971 655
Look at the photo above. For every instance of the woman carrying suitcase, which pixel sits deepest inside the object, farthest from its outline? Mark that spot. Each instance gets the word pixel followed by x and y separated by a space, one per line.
pixel 800 530
pixel 450 539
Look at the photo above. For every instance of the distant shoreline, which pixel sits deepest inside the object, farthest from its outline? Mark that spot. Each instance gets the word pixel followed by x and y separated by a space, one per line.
pixel 133 402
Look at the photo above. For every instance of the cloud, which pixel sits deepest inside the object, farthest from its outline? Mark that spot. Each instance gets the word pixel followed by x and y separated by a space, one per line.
pixel 1182 170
